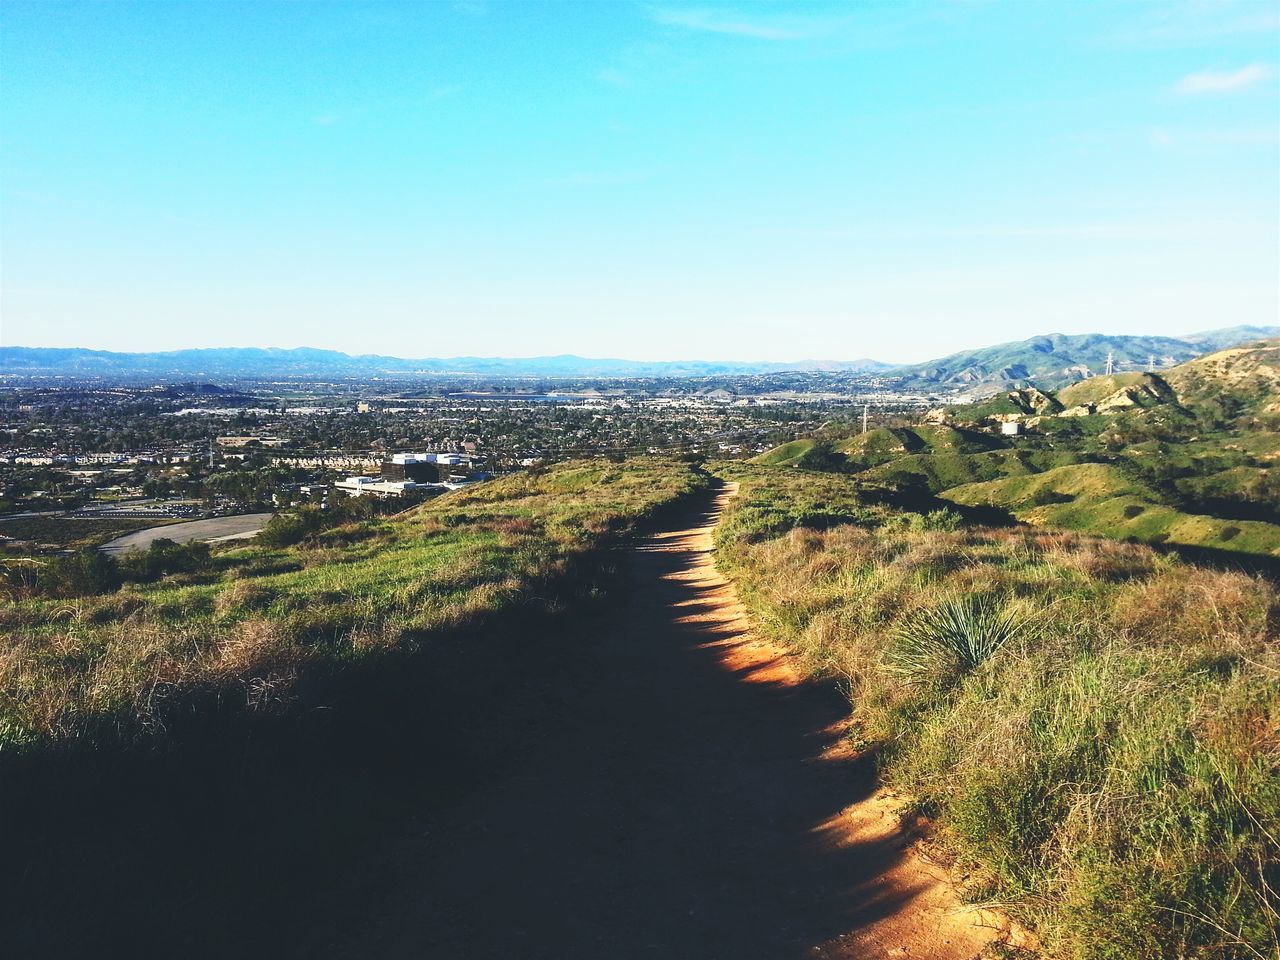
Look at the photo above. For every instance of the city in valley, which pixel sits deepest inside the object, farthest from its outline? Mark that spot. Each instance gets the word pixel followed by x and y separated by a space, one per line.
pixel 91 462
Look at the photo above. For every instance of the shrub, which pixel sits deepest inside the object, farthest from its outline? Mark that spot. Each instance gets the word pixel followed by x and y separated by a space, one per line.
pixel 1114 782
pixel 82 574
pixel 165 557
pixel 286 529
pixel 938 646
pixel 1047 496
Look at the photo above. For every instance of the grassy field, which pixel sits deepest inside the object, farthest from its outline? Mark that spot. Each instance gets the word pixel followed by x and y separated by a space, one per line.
pixel 102 668
pixel 1092 725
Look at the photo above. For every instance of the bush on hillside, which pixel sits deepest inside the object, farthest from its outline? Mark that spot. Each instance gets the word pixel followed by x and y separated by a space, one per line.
pixel 85 573
pixel 936 647
pixel 164 557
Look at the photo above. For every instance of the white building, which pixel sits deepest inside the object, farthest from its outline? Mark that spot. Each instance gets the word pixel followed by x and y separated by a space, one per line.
pixel 373 486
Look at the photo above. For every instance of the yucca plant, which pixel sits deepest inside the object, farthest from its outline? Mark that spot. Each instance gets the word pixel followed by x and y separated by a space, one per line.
pixel 938 646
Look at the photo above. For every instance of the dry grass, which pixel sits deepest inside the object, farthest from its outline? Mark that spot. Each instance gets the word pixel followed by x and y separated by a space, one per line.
pixel 103 668
pixel 1111 772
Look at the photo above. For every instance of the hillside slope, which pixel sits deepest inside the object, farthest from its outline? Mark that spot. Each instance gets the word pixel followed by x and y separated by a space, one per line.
pixel 1247 379
pixel 1056 359
pixel 1098 498
pixel 308 600
pixel 1088 723
pixel 1184 458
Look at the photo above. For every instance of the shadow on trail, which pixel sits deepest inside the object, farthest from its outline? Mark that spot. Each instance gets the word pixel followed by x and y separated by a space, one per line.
pixel 678 811
pixel 606 788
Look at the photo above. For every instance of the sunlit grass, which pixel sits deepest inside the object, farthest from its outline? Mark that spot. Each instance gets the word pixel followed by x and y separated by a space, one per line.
pixel 1105 759
pixel 105 667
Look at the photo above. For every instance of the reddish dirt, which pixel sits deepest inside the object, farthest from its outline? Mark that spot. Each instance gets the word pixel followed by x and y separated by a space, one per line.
pixel 698 801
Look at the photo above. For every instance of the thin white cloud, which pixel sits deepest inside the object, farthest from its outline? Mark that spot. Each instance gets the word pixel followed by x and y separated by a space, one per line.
pixel 1224 81
pixel 1193 24
pixel 727 22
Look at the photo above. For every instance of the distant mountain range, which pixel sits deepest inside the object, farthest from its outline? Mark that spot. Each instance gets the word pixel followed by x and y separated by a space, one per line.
pixel 259 363
pixel 1050 361
pixel 1055 360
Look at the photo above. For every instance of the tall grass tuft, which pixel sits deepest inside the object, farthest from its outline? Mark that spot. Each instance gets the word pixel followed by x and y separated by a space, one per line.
pixel 937 646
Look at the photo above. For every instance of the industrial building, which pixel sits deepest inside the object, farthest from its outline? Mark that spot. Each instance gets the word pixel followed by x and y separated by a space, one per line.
pixel 416 467
pixel 373 486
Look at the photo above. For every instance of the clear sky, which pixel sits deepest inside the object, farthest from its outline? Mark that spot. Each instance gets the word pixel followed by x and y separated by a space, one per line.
pixel 643 180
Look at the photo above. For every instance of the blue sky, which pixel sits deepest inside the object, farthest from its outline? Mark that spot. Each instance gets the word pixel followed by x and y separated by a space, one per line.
pixel 646 180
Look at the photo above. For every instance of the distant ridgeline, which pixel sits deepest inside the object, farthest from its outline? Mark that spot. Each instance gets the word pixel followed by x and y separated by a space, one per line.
pixel 1050 361
pixel 1056 360
pixel 1183 457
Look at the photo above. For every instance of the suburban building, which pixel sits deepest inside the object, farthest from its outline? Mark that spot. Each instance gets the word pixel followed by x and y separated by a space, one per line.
pixel 417 467
pixel 377 487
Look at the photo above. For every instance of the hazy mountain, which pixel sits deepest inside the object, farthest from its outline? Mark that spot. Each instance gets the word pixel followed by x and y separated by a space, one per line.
pixel 1056 359
pixel 1232 336
pixel 261 363
pixel 1049 361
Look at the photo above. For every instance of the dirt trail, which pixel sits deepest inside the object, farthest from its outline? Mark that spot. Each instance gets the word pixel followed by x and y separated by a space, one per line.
pixel 696 803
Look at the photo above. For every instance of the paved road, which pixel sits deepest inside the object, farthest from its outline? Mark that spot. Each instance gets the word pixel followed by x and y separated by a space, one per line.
pixel 215 528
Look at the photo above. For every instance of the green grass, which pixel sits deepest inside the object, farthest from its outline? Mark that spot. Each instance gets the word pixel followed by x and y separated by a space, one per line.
pixel 942 471
pixel 786 454
pixel 105 667
pixel 1000 405
pixel 885 444
pixel 1096 736
pixel 1106 501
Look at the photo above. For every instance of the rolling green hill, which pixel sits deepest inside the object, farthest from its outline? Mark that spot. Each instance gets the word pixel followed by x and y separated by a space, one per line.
pixel 1241 381
pixel 942 471
pixel 883 445
pixel 1100 499
pixel 1117 391
pixel 1185 457
pixel 785 455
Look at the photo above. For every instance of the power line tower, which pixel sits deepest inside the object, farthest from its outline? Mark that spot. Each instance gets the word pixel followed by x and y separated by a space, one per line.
pixel 1151 364
pixel 866 408
pixel 1111 364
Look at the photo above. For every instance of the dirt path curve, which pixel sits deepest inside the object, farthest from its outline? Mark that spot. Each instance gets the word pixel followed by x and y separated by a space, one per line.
pixel 696 804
